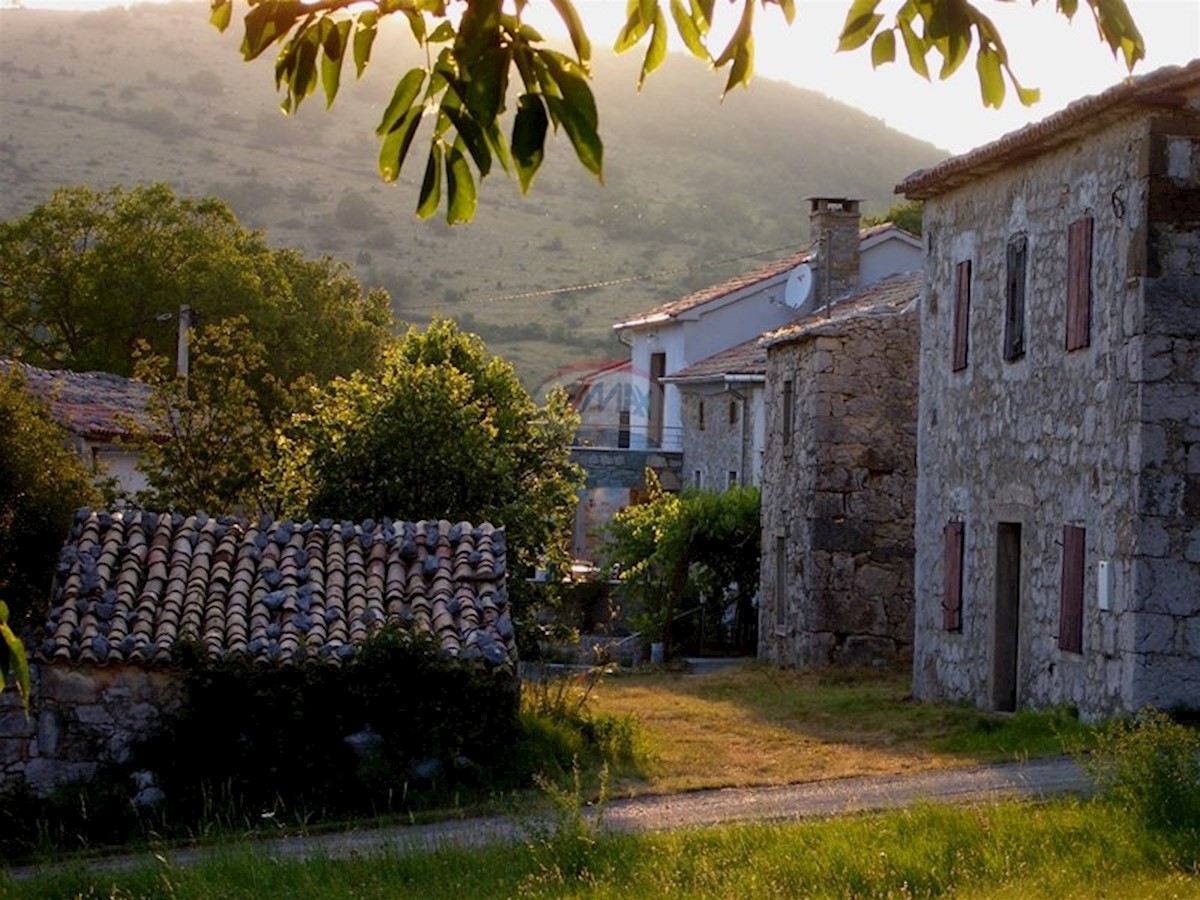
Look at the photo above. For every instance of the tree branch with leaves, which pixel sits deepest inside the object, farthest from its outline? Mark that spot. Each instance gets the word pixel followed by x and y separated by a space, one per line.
pixel 478 51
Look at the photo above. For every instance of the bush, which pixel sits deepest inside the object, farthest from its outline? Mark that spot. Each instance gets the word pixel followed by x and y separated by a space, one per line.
pixel 1150 765
pixel 263 738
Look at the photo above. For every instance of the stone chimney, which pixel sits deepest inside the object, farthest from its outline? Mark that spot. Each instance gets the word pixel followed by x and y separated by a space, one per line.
pixel 833 227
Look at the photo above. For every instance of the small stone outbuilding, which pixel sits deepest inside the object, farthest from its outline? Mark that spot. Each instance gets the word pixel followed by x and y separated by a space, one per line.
pixel 1058 505
pixel 132 585
pixel 839 481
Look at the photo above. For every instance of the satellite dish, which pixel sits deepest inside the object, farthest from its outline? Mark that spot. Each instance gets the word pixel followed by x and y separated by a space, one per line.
pixel 799 286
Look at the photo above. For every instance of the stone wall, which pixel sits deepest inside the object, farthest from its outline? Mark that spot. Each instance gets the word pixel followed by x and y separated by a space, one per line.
pixel 836 582
pixel 721 446
pixel 80 717
pixel 615 478
pixel 1053 438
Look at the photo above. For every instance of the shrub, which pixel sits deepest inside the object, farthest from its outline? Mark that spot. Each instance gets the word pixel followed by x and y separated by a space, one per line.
pixel 1150 765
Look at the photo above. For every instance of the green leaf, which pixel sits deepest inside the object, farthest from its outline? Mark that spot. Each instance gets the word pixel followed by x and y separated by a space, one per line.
pixel 471 136
pixel 633 30
pixel 267 23
pixel 991 78
pixel 582 133
pixel 688 29
pixel 883 48
pixel 461 198
pixel 742 69
pixel 529 138
pixel 702 14
pixel 396 144
pixel 1119 30
pixel 861 22
pixel 334 46
pixel 431 184
pixel 220 14
pixel 570 17
pixel 416 24
pixel 917 48
pixel 1068 8
pixel 365 30
pixel 657 51
pixel 1027 96
pixel 402 100
pixel 444 32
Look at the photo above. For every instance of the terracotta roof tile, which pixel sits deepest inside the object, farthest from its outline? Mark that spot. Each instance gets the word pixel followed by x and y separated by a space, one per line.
pixel 131 584
pixel 89 404
pixel 749 358
pixel 1158 89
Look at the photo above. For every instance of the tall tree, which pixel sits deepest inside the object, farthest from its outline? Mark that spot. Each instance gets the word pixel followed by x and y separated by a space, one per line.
pixel 87 275
pixel 443 431
pixel 208 440
pixel 475 47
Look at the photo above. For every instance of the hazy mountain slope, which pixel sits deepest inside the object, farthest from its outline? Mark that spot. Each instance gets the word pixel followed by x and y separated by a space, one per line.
pixel 155 94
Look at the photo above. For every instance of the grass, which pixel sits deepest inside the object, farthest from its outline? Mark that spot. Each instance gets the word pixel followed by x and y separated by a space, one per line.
pixel 756 725
pixel 1012 850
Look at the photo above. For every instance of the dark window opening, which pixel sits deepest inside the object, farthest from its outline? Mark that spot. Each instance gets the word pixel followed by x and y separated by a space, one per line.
pixel 787 412
pixel 1014 299
pixel 962 313
pixel 700 416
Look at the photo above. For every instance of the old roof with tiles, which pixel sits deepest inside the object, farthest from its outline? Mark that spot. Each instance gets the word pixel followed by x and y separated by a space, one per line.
pixel 749 358
pixel 750 279
pixel 1161 90
pixel 94 405
pixel 131 584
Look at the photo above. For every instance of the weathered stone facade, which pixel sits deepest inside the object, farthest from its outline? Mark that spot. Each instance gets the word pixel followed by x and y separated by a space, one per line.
pixel 1103 438
pixel 81 717
pixel 719 448
pixel 838 490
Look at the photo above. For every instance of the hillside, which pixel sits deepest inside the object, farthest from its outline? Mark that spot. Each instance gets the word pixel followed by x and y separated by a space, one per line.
pixel 155 94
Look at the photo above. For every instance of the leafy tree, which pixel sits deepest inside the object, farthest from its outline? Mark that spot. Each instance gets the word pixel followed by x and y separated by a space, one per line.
pixel 444 430
pixel 209 439
pixel 475 47
pixel 675 549
pixel 906 214
pixel 42 483
pixel 87 275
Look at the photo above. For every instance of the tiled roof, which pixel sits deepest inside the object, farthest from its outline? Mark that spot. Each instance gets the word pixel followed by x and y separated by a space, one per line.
pixel 739 282
pixel 1158 89
pixel 131 584
pixel 89 404
pixel 749 358
pixel 894 294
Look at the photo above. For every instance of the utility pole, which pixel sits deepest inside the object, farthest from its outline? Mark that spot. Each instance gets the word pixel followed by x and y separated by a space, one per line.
pixel 181 349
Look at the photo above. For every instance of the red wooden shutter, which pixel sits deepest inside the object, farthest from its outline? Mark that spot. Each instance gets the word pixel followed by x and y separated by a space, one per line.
pixel 952 553
pixel 962 310
pixel 1079 284
pixel 1070 615
pixel 1014 299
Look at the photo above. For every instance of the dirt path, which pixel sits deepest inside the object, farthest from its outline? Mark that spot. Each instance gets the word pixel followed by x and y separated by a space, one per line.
pixel 1040 778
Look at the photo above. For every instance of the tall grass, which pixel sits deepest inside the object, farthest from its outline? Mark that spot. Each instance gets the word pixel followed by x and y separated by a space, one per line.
pixel 1063 849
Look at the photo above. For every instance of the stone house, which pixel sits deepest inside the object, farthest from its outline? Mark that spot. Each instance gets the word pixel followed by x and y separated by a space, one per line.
pixel 94 408
pixel 131 585
pixel 839 480
pixel 1058 503
pixel 666 340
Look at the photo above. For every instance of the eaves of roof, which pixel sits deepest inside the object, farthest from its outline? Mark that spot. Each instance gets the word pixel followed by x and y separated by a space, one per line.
pixel 893 295
pixel 1160 89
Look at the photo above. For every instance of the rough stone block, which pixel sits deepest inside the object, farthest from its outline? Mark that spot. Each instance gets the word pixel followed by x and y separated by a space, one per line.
pixel 93 715
pixel 15 724
pixel 866 650
pixel 49 731
pixel 12 751
pixel 68 685
pixel 44 775
pixel 1154 634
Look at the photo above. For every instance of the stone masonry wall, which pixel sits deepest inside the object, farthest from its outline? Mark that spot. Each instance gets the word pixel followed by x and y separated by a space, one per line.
pixel 1166 576
pixel 836 581
pixel 1053 438
pixel 80 717
pixel 721 446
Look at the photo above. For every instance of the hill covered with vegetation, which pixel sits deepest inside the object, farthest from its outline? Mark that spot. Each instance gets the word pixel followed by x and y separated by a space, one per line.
pixel 694 188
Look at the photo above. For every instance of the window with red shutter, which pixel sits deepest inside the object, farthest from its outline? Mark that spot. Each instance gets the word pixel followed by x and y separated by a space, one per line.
pixel 1079 284
pixel 1070 613
pixel 1014 299
pixel 962 311
pixel 952 552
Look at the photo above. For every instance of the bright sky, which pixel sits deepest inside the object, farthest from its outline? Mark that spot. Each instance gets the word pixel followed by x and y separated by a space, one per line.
pixel 1065 60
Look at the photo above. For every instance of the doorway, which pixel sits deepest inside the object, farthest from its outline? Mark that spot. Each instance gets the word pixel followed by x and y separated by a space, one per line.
pixel 1007 617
